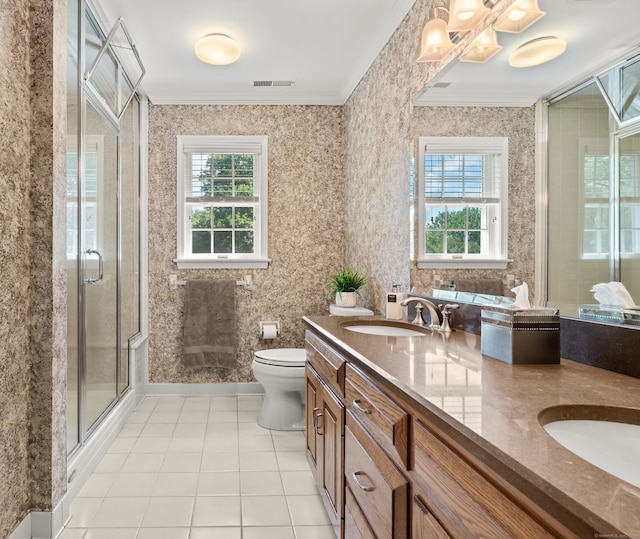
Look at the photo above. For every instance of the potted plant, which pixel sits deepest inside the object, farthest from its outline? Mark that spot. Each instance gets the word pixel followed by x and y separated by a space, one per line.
pixel 345 285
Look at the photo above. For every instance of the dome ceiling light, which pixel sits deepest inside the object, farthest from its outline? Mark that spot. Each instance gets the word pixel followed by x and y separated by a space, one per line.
pixel 217 49
pixel 538 51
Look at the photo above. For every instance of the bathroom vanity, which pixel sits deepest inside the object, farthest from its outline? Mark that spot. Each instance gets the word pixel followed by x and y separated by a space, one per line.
pixel 424 437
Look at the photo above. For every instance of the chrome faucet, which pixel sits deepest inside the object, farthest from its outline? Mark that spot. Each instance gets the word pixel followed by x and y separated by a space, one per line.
pixel 436 316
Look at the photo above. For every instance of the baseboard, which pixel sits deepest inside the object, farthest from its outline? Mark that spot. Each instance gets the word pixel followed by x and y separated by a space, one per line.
pixel 201 390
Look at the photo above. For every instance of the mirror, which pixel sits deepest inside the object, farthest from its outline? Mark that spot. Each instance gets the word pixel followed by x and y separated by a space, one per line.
pixel 593 233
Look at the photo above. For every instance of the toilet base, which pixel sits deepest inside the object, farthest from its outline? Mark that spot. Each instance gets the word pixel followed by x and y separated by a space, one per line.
pixel 282 411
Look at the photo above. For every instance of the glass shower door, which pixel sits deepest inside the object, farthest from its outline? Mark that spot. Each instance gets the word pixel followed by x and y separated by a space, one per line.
pixel 629 182
pixel 99 216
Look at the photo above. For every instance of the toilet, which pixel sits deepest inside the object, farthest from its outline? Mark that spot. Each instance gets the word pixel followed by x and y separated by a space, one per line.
pixel 280 371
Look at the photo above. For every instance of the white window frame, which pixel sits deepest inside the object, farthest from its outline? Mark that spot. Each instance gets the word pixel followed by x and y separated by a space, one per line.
pixel 223 144
pixel 473 146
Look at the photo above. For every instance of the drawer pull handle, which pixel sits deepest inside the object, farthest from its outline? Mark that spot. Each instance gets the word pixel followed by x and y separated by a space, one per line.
pixel 360 485
pixel 358 406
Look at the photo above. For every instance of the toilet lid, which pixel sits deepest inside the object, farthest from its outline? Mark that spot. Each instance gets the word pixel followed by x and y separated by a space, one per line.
pixel 282 357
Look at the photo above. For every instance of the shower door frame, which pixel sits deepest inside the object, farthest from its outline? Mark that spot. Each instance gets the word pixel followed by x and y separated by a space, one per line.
pixel 89 97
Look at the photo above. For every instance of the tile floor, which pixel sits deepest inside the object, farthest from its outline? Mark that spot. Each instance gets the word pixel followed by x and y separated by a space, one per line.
pixel 200 468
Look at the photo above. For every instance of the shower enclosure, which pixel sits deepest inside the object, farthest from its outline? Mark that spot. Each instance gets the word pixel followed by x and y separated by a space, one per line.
pixel 103 220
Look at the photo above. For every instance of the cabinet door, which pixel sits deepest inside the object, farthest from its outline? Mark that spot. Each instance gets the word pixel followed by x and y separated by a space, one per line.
pixel 325 445
pixel 331 470
pixel 313 407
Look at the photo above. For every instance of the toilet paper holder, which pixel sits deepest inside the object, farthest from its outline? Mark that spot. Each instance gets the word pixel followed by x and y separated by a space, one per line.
pixel 265 326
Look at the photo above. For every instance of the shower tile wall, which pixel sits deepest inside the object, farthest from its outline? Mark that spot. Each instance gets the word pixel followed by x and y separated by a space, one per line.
pixel 306 228
pixel 518 124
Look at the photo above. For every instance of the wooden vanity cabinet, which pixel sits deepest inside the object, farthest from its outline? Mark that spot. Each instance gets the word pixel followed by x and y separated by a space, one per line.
pixel 385 471
pixel 452 498
pixel 324 436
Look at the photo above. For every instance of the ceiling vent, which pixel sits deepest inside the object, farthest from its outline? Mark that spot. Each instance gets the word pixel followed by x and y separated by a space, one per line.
pixel 263 83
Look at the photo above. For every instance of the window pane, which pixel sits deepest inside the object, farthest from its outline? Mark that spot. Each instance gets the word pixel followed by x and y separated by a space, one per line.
pixel 200 217
pixel 222 241
pixel 244 187
pixel 591 246
pixel 200 241
pixel 244 217
pixel 475 218
pixel 201 179
pixel 244 241
pixel 474 243
pixel 434 242
pixel 457 219
pixel 435 217
pixel 455 242
pixel 223 188
pixel 222 217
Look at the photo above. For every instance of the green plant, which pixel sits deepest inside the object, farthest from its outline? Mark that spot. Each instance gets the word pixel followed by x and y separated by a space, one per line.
pixel 346 281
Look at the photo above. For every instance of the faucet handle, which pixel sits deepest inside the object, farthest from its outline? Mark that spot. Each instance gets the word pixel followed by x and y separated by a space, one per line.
pixel 447 309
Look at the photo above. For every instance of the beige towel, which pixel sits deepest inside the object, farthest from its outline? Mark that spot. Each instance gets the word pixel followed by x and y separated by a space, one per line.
pixel 210 336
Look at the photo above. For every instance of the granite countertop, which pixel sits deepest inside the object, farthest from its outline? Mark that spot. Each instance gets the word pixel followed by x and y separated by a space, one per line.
pixel 495 406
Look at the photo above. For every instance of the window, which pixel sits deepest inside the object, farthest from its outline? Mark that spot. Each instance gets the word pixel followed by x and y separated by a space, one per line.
pixel 597 185
pixel 222 202
pixel 462 201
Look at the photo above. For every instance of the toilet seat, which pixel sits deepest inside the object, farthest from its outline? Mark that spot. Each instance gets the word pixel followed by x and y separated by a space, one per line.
pixel 282 357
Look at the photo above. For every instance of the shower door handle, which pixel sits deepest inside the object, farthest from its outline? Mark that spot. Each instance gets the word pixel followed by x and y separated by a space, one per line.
pixel 100 267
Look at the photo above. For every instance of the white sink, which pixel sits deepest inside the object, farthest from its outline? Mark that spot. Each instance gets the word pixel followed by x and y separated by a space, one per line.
pixel 611 446
pixel 384 330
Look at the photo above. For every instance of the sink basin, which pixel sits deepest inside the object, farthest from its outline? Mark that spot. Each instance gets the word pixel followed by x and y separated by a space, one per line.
pixel 611 444
pixel 385 329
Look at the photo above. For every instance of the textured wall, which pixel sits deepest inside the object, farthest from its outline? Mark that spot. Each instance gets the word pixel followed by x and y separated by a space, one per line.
pixel 518 124
pixel 32 378
pixel 47 445
pixel 306 228
pixel 14 263
pixel 378 151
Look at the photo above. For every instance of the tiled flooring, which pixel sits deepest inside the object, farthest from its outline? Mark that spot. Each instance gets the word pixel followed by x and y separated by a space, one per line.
pixel 200 468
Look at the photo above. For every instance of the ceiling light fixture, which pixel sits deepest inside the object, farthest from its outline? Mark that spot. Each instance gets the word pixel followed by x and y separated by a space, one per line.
pixel 465 14
pixel 436 43
pixel 538 51
pixel 217 49
pixel 481 48
pixel 519 16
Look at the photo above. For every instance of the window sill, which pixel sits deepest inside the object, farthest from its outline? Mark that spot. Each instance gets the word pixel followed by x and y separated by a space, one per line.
pixel 253 263
pixel 464 264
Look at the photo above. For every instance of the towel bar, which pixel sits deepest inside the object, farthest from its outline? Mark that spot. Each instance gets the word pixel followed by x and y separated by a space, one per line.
pixel 175 283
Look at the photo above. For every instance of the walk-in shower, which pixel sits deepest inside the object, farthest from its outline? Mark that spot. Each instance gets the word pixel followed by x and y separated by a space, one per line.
pixel 103 218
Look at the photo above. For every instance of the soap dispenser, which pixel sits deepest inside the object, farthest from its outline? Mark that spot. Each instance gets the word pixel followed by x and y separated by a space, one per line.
pixel 395 311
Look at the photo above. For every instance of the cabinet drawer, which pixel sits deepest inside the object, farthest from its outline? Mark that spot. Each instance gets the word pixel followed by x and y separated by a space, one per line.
pixel 328 363
pixel 355 523
pixel 385 421
pixel 465 502
pixel 425 525
pixel 379 488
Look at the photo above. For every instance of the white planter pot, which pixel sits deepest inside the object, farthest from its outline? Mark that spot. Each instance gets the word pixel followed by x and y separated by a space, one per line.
pixel 346 299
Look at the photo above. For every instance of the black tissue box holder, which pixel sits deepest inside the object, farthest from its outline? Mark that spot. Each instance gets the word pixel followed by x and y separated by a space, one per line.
pixel 521 336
